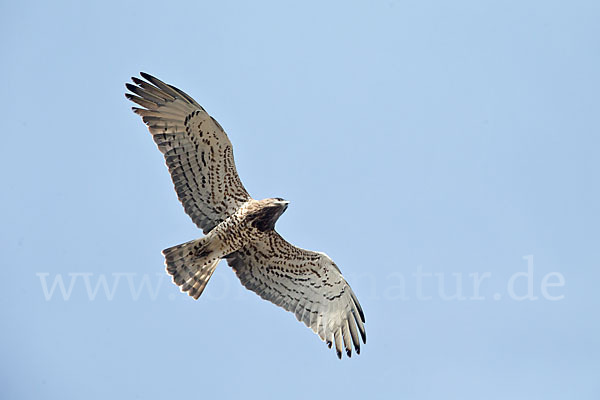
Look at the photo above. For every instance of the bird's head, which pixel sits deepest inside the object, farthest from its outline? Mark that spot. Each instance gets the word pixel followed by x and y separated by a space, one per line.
pixel 268 213
pixel 276 206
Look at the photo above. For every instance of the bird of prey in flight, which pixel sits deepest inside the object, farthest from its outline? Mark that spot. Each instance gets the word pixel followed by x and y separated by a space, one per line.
pixel 237 227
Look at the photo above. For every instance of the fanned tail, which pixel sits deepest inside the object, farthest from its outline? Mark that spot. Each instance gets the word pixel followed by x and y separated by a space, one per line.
pixel 191 265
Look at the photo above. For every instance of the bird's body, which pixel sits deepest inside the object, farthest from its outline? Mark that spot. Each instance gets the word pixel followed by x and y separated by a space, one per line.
pixel 251 223
pixel 238 228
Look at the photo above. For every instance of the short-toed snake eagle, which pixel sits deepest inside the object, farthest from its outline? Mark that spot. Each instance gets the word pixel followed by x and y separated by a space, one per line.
pixel 238 228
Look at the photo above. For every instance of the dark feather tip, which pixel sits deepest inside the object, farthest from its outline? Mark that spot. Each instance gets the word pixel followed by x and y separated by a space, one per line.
pixel 349 353
pixel 146 76
pixel 339 354
pixel 357 349
pixel 329 343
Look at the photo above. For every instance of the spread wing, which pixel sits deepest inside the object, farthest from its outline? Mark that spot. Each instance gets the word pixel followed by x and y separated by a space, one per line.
pixel 197 151
pixel 307 283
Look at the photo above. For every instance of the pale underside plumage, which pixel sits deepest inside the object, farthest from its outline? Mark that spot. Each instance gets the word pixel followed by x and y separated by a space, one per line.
pixel 199 156
pixel 307 283
pixel 198 153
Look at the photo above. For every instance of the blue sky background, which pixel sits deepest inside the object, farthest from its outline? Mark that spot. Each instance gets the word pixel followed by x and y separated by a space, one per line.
pixel 450 138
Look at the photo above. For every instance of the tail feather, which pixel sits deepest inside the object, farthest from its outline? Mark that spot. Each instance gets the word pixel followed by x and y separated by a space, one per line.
pixel 191 265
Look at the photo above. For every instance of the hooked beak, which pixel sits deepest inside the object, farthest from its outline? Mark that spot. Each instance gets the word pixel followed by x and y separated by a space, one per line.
pixel 284 203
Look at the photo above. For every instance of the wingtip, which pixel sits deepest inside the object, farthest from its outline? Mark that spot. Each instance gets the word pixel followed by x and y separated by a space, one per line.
pixel 339 354
pixel 349 353
pixel 360 312
pixel 146 76
pixel 131 87
pixel 329 343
